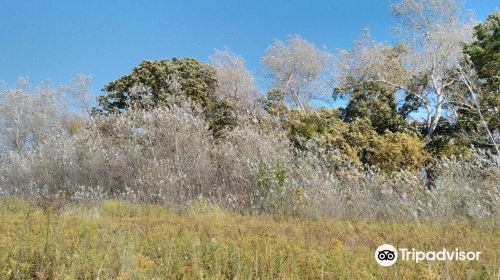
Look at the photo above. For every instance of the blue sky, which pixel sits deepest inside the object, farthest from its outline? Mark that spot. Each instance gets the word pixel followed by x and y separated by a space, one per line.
pixel 58 39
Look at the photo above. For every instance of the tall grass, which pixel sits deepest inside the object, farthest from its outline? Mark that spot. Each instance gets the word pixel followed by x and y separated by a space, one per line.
pixel 120 240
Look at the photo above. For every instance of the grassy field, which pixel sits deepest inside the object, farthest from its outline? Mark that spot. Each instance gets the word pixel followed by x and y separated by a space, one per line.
pixel 124 241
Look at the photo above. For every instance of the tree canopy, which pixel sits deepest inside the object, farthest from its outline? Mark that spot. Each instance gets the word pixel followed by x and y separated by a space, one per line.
pixel 162 82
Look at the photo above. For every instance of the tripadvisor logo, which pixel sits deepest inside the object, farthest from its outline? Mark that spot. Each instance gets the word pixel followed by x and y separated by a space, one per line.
pixel 387 255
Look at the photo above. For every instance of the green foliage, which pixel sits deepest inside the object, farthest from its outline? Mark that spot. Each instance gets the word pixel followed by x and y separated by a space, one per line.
pixel 485 51
pixel 274 103
pixel 444 146
pixel 163 81
pixel 196 79
pixel 451 140
pixel 323 126
pixel 368 96
pixel 375 102
pixel 274 191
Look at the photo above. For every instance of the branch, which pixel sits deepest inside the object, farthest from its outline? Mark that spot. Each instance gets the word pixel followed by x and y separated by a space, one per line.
pixel 421 97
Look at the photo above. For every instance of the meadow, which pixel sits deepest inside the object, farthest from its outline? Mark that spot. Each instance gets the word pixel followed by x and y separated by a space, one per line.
pixel 120 240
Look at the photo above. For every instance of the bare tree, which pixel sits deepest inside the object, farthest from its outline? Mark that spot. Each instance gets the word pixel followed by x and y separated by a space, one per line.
pixel 298 69
pixel 77 94
pixel 235 84
pixel 27 114
pixel 434 31
pixel 370 61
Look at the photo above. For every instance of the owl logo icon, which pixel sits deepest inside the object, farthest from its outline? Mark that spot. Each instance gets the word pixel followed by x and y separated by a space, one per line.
pixel 386 255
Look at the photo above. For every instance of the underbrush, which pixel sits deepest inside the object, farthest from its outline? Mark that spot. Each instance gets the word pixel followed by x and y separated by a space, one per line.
pixel 121 240
pixel 135 156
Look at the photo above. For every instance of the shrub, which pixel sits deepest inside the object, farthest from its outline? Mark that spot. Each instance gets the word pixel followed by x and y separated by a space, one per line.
pixel 358 140
pixel 312 167
pixel 397 151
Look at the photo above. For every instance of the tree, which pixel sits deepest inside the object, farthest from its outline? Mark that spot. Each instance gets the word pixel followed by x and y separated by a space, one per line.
pixel 236 85
pixel 432 34
pixel 434 31
pixel 471 103
pixel 29 114
pixel 476 99
pixel 484 52
pixel 159 83
pixel 274 104
pixel 298 70
pixel 376 103
pixel 357 140
pixel 358 72
pixel 197 81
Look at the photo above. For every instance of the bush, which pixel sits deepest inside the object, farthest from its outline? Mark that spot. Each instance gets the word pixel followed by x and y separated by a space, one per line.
pixel 358 140
pixel 397 151
pixel 159 155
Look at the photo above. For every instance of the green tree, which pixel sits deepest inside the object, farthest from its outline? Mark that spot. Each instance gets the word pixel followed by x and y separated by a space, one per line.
pixel 324 126
pixel 162 82
pixel 485 51
pixel 375 102
pixel 275 104
pixel 476 99
pixel 368 97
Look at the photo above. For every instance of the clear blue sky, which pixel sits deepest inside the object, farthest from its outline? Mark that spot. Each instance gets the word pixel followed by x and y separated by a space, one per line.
pixel 58 39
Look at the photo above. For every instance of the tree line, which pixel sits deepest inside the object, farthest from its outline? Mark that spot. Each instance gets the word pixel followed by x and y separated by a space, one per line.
pixel 434 93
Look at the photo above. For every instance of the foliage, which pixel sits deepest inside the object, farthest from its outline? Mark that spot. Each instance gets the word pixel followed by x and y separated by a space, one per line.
pixel 28 114
pixel 397 151
pixel 484 51
pixel 176 133
pixel 236 87
pixel 374 102
pixel 359 140
pixel 324 126
pixel 432 34
pixel 133 156
pixel 160 155
pixel 186 171
pixel 274 103
pixel 477 100
pixel 159 83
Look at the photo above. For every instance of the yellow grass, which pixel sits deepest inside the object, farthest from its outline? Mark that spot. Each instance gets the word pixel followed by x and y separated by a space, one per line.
pixel 124 241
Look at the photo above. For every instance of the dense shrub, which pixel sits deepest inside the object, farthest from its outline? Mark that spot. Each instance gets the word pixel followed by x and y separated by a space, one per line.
pixel 299 163
pixel 168 155
pixel 359 140
pixel 161 155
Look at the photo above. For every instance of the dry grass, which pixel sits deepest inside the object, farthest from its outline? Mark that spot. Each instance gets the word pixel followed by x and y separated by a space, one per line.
pixel 127 241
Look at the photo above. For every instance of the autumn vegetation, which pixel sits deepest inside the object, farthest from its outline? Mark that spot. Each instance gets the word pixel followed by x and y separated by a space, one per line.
pixel 188 169
pixel 121 240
